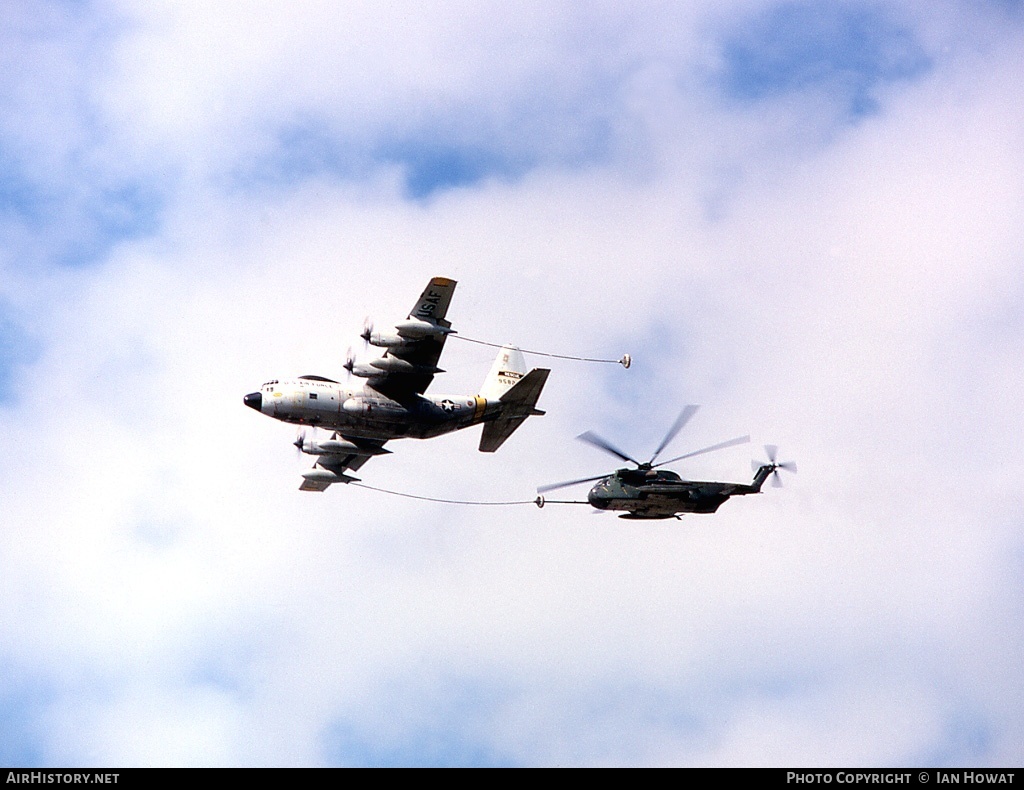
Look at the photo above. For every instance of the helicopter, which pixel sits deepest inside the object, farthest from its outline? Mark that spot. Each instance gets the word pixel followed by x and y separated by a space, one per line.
pixel 648 492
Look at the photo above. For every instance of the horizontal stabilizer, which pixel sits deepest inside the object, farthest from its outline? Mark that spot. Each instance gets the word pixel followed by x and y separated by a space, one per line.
pixel 518 403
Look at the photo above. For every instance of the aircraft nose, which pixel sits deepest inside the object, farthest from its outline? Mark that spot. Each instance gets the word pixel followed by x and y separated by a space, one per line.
pixel 254 400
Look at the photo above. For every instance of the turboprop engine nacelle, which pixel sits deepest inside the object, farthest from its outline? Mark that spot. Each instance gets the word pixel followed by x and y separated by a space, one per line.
pixel 320 474
pixel 362 370
pixel 344 446
pixel 396 365
pixel 415 328
pixel 340 447
pixel 386 340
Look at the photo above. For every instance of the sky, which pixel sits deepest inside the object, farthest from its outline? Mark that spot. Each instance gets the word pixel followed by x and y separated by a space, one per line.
pixel 806 217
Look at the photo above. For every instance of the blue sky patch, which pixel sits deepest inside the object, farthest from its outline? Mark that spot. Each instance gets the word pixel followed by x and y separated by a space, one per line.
pixel 112 215
pixel 74 216
pixel 457 150
pixel 451 738
pixel 457 723
pixel 432 165
pixel 846 49
pixel 19 197
pixel 20 706
pixel 126 211
pixel 966 739
pixel 16 348
pixel 431 162
pixel 443 746
pixel 304 149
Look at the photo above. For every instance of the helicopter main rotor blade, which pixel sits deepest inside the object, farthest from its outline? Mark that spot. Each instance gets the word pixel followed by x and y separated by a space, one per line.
pixel 553 486
pixel 597 441
pixel 677 426
pixel 712 448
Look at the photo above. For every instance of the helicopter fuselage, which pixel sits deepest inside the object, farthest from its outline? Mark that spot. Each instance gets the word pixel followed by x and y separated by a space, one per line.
pixel 656 494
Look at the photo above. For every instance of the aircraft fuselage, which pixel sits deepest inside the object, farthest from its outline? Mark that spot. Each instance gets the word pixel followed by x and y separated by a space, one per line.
pixel 364 412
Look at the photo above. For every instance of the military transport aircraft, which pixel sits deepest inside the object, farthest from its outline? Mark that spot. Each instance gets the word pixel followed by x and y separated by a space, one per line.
pixel 391 404
pixel 647 492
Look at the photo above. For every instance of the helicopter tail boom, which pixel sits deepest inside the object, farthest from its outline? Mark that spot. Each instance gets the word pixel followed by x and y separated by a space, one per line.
pixel 760 476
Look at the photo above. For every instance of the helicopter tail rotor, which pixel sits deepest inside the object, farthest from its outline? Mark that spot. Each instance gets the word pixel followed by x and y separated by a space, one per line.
pixel 772 451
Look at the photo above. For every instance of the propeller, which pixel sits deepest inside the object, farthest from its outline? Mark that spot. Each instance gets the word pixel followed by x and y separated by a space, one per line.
pixel 300 441
pixel 367 331
pixel 350 361
pixel 772 451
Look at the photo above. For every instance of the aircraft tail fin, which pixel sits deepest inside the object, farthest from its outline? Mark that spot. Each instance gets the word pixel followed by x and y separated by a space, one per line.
pixel 761 474
pixel 508 369
pixel 432 305
pixel 518 402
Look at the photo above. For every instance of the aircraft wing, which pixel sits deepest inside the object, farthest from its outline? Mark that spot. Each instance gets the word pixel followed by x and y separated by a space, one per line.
pixel 408 369
pixel 331 468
